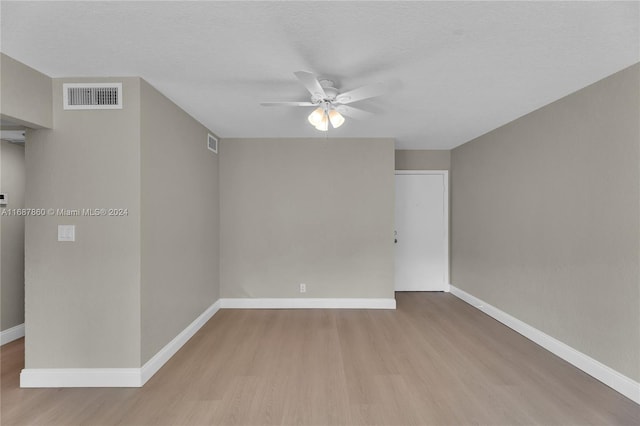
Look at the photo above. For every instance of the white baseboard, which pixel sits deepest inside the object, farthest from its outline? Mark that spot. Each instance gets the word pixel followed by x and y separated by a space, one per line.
pixel 11 334
pixel 113 377
pixel 158 360
pixel 80 378
pixel 610 377
pixel 307 303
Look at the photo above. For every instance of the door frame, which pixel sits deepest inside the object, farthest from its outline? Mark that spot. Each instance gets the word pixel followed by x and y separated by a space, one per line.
pixel 445 175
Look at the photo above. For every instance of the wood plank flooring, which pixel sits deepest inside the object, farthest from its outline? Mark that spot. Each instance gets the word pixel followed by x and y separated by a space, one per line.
pixel 433 361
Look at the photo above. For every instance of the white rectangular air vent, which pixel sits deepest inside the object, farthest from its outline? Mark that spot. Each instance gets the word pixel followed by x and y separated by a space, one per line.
pixel 212 143
pixel 92 95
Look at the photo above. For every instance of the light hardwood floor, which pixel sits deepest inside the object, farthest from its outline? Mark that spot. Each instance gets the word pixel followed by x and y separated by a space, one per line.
pixel 433 361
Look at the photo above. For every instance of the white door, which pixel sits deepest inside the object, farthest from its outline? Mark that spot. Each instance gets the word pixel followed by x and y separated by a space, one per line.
pixel 422 240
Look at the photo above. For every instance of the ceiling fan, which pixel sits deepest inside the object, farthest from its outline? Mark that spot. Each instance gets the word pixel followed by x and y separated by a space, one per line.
pixel 330 104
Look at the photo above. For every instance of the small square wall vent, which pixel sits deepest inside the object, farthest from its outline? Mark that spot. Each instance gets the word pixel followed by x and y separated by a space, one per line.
pixel 212 143
pixel 92 95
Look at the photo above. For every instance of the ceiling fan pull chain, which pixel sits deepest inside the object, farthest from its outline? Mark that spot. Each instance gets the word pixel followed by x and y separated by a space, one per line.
pixel 326 115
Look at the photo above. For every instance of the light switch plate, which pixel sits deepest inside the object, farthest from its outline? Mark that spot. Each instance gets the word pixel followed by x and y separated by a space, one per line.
pixel 66 232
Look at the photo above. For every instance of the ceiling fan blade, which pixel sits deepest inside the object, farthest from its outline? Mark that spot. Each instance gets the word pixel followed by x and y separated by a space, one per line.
pixel 311 83
pixel 364 92
pixel 357 113
pixel 302 104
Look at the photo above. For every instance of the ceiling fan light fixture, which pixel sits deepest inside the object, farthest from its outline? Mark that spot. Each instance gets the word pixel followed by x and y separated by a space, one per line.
pixel 329 103
pixel 336 118
pixel 316 116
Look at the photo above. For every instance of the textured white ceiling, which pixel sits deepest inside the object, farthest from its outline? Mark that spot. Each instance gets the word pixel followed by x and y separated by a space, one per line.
pixel 459 69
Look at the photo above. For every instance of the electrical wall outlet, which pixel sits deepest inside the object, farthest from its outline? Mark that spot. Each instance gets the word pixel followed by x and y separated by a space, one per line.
pixel 303 288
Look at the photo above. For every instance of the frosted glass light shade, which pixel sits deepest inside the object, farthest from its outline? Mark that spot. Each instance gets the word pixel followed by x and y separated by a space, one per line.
pixel 316 116
pixel 336 118
pixel 323 125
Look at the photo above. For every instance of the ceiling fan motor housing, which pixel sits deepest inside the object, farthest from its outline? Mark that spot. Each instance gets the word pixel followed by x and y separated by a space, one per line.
pixel 330 92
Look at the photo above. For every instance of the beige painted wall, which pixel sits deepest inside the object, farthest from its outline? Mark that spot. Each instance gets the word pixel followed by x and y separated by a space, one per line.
pixel 129 284
pixel 426 159
pixel 311 211
pixel 545 220
pixel 180 219
pixel 25 94
pixel 83 298
pixel 12 181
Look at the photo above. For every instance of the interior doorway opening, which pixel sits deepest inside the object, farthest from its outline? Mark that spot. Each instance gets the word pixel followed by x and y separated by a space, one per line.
pixel 12 230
